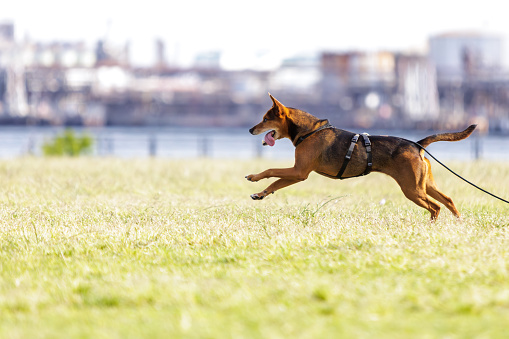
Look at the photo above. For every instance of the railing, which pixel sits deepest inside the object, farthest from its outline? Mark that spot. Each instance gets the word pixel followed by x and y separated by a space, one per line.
pixel 150 145
pixel 237 144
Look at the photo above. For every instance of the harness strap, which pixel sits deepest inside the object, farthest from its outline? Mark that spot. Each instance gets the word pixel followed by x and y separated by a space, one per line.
pixel 367 144
pixel 348 156
pixel 302 138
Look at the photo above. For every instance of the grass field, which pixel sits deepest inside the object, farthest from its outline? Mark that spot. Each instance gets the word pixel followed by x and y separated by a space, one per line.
pixel 109 248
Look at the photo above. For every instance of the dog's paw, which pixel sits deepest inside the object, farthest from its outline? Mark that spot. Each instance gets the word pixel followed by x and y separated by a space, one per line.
pixel 251 178
pixel 257 196
pixel 260 196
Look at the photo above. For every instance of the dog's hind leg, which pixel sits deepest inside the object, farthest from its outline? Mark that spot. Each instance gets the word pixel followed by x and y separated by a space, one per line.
pixel 420 198
pixel 412 181
pixel 433 191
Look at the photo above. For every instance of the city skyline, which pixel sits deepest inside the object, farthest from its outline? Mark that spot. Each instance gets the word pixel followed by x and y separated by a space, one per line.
pixel 238 30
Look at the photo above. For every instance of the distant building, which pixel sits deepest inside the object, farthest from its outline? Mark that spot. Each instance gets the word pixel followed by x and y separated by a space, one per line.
pixel 471 79
pixel 360 68
pixel 161 54
pixel 417 88
pixel 208 60
pixel 7 31
pixel 461 55
pixel 299 74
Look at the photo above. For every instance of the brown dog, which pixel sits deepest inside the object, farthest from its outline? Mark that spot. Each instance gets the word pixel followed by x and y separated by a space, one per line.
pixel 322 148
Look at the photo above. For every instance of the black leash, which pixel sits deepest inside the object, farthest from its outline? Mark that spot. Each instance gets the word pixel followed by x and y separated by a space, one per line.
pixel 459 176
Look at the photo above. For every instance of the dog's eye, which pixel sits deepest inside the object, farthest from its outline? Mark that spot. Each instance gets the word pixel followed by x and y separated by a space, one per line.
pixel 265 120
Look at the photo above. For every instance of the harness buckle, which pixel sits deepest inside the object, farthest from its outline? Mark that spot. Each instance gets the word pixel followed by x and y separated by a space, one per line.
pixel 367 142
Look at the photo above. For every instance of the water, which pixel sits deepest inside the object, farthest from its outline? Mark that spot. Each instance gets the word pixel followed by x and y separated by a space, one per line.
pixel 237 143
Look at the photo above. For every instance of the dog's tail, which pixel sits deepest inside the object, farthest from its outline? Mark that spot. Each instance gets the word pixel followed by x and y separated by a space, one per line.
pixel 447 136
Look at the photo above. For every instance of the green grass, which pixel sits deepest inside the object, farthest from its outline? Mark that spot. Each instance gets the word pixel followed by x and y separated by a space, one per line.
pixel 109 248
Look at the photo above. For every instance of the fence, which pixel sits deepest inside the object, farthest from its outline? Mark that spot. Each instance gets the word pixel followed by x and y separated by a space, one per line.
pixel 223 143
pixel 117 142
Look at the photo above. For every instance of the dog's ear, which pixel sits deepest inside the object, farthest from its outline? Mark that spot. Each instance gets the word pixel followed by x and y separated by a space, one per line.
pixel 276 104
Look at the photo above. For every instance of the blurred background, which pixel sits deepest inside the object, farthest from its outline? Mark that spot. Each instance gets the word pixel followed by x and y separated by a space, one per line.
pixel 187 78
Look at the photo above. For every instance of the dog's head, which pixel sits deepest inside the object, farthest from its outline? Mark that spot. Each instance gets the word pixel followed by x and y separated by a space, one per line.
pixel 273 123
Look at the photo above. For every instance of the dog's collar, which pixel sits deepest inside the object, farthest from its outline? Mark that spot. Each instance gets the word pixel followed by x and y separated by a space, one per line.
pixel 302 138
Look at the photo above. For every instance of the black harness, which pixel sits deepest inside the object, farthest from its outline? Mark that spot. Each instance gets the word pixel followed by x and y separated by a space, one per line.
pixel 367 144
pixel 348 156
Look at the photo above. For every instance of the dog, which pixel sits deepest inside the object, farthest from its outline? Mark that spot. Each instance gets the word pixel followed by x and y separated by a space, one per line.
pixel 322 148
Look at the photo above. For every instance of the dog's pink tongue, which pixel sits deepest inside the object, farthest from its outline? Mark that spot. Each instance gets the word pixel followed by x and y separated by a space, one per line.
pixel 269 139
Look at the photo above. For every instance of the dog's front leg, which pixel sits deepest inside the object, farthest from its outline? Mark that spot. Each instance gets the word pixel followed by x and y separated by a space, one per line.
pixel 276 185
pixel 283 173
pixel 288 177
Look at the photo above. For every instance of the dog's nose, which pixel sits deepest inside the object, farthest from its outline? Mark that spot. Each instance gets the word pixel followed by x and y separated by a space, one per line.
pixel 251 130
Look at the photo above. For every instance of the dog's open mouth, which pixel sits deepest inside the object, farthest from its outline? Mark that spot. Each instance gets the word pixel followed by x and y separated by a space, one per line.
pixel 269 138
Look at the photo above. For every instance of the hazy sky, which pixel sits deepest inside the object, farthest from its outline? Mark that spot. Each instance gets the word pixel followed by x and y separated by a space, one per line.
pixel 239 28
